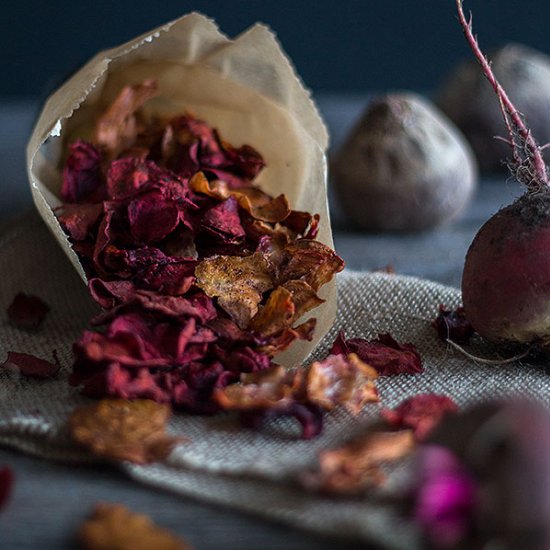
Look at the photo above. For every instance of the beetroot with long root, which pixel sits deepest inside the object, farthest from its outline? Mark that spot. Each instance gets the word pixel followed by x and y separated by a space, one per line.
pixel 506 279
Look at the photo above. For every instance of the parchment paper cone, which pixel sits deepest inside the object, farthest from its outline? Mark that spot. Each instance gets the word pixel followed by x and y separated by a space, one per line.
pixel 247 88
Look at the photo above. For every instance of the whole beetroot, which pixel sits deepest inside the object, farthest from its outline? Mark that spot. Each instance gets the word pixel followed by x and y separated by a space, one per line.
pixel 483 479
pixel 468 100
pixel 506 279
pixel 403 167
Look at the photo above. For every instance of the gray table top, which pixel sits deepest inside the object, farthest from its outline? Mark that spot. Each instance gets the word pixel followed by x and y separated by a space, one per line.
pixel 51 499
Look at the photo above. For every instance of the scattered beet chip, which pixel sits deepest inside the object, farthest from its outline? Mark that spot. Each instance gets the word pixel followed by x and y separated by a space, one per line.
pixel 27 311
pixel 339 380
pixel 29 365
pixel 311 261
pixel 124 430
pixel 422 413
pixel 114 527
pixel 385 354
pixel 151 217
pixel 6 485
pixel 355 467
pixel 302 394
pixel 453 325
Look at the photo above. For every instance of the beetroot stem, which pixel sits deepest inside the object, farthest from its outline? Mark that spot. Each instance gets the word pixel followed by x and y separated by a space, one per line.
pixel 528 166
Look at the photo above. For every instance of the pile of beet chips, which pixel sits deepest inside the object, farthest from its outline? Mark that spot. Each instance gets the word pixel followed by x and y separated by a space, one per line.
pixel 202 276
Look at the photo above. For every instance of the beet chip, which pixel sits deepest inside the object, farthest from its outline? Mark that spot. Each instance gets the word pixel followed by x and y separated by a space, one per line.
pixel 6 485
pixel 342 381
pixel 223 221
pixel 82 177
pixel 114 527
pixel 453 325
pixel 386 355
pixel 124 430
pixel 303 394
pixel 355 467
pixel 238 283
pixel 422 413
pixel 117 128
pixel 29 365
pixel 79 220
pixel 27 311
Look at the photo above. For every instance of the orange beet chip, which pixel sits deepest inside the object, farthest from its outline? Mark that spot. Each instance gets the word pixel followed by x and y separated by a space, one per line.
pixel 339 380
pixel 285 305
pixel 256 202
pixel 124 430
pixel 114 527
pixel 311 261
pixel 273 387
pixel 356 466
pixel 238 283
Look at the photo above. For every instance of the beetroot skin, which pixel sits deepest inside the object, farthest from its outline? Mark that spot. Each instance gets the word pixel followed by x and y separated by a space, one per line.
pixel 505 281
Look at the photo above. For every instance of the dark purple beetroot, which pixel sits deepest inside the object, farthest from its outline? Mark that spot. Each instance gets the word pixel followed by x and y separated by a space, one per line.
pixel 468 100
pixel 403 167
pixel 506 280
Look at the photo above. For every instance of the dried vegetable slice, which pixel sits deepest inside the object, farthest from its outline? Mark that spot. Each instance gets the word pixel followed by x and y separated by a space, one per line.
pixel 385 354
pixel 124 430
pixel 356 466
pixel 115 527
pixel 451 324
pixel 32 366
pixel 27 311
pixel 422 413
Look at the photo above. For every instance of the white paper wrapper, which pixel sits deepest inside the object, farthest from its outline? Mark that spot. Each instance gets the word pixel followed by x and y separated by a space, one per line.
pixel 246 88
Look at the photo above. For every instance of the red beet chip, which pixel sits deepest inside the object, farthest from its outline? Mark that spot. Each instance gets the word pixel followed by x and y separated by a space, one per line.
pixel 6 484
pixel 27 311
pixel 82 179
pixel 223 221
pixel 151 217
pixel 129 176
pixel 30 365
pixel 422 413
pixel 78 220
pixel 385 354
pixel 453 325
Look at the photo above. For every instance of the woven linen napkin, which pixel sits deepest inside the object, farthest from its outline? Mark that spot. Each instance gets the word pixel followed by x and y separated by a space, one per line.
pixel 222 463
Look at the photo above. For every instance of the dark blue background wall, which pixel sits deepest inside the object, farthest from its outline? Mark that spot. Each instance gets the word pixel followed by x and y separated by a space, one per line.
pixel 346 45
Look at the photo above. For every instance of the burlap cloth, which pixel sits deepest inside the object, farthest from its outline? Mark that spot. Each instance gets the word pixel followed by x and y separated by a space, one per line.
pixel 221 463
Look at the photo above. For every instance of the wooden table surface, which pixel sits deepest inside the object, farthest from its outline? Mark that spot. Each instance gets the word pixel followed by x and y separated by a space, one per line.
pixel 51 499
